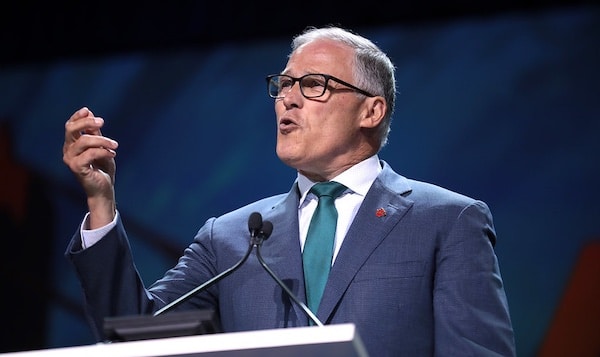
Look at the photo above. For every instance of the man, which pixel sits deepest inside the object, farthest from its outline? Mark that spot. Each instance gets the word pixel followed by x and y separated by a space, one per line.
pixel 412 264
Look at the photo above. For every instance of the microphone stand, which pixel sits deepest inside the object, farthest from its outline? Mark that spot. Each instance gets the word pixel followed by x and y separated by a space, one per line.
pixel 255 226
pixel 206 285
pixel 305 308
pixel 259 232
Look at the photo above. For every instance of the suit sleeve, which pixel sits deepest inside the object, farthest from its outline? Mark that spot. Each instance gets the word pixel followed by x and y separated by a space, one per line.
pixel 109 279
pixel 470 306
pixel 112 285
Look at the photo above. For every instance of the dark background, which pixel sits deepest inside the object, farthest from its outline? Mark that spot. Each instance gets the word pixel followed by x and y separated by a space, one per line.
pixel 53 30
pixel 498 100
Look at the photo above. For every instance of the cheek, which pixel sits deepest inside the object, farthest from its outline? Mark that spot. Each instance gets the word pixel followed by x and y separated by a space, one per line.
pixel 279 108
pixel 337 123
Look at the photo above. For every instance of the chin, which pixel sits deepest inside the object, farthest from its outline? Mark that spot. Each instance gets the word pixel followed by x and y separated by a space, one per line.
pixel 288 158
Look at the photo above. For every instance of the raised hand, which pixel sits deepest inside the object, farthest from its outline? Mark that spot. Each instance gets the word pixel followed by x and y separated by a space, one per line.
pixel 90 156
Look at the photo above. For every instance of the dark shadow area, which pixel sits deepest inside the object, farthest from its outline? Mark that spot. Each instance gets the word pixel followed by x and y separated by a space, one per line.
pixel 26 223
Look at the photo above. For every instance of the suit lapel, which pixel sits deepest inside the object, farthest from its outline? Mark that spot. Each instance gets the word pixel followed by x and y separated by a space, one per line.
pixel 282 250
pixel 370 227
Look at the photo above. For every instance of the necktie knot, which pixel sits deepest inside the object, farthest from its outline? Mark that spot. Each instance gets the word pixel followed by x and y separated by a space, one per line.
pixel 331 189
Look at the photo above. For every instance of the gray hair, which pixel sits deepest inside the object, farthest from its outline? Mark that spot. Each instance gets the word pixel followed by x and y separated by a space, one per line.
pixel 373 70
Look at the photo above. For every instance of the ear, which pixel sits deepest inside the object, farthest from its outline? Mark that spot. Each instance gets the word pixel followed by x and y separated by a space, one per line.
pixel 374 111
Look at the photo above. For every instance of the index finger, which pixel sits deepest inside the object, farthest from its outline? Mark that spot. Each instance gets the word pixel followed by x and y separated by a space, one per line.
pixel 82 122
pixel 81 113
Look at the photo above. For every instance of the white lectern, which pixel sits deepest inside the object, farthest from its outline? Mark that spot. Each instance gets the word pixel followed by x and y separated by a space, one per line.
pixel 327 341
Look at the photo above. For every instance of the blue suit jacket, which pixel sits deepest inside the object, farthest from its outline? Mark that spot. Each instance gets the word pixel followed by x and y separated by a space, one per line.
pixel 421 280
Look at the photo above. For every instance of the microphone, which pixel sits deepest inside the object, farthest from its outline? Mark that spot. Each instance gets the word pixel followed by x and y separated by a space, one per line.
pixel 255 223
pixel 266 230
pixel 257 232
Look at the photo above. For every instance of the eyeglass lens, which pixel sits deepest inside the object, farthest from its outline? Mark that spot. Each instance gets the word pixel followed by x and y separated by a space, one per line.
pixel 311 85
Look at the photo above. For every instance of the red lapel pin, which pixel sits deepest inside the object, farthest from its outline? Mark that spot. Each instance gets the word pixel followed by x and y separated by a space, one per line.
pixel 380 212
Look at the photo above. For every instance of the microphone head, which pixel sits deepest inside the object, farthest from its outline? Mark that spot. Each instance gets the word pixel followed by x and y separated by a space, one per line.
pixel 267 229
pixel 255 222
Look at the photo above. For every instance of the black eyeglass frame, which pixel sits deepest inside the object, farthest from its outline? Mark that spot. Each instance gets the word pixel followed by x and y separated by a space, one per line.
pixel 327 79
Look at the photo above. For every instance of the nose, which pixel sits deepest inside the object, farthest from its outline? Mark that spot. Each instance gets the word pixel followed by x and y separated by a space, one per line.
pixel 293 95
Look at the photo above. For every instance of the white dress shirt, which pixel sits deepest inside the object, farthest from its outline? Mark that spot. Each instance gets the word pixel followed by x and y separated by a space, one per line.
pixel 90 237
pixel 358 179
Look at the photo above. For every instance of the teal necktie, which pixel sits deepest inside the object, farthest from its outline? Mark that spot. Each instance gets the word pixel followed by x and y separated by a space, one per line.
pixel 318 248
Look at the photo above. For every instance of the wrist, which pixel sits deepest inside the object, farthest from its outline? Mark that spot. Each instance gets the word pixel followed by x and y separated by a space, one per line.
pixel 102 212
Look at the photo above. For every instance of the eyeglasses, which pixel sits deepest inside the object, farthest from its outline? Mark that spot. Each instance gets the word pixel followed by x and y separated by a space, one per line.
pixel 312 85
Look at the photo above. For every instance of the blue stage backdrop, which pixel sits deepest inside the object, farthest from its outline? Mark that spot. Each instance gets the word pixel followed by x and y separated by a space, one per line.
pixel 504 109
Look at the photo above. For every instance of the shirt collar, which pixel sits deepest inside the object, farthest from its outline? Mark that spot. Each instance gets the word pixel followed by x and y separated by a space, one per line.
pixel 358 178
